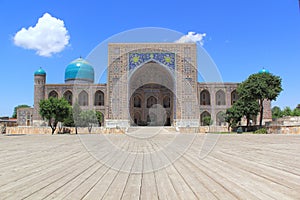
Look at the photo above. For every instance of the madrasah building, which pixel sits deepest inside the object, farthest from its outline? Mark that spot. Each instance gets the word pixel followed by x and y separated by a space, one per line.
pixel 148 84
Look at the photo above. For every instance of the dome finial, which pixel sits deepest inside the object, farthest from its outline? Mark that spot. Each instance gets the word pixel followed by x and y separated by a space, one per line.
pixel 263 71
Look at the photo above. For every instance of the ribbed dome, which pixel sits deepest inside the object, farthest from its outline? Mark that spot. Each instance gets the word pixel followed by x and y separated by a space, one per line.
pixel 79 70
pixel 40 72
pixel 263 70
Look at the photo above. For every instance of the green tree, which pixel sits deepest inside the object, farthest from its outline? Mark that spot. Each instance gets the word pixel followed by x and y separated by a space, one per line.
pixel 88 119
pixel 99 117
pixel 287 111
pixel 54 110
pixel 14 115
pixel 249 109
pixel 76 111
pixel 207 121
pixel 233 116
pixel 276 112
pixel 296 111
pixel 69 121
pixel 260 87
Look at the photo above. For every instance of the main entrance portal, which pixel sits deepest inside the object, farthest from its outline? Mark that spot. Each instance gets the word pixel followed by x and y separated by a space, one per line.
pixel 151 96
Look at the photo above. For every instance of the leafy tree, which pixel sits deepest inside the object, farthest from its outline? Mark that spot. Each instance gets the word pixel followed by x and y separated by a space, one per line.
pixel 69 121
pixel 54 110
pixel 99 116
pixel 233 116
pixel 88 119
pixel 76 111
pixel 287 111
pixel 276 112
pixel 296 111
pixel 207 121
pixel 260 87
pixel 16 108
pixel 249 109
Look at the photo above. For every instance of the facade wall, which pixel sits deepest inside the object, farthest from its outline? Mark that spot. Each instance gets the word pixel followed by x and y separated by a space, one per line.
pixel 178 74
pixel 25 116
pixel 213 88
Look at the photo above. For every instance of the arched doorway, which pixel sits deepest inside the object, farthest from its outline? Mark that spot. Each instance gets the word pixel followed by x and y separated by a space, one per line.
pixel 151 95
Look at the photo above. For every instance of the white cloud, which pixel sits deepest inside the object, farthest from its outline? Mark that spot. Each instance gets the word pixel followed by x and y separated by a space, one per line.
pixel 192 37
pixel 47 37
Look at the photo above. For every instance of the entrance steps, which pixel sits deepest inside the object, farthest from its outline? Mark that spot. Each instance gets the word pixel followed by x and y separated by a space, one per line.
pixel 151 129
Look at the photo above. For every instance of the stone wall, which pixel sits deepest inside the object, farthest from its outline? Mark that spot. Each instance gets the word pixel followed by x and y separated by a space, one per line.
pixel 284 125
pixel 102 130
pixel 70 130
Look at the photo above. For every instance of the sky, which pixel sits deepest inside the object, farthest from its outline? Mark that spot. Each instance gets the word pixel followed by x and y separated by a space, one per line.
pixel 241 37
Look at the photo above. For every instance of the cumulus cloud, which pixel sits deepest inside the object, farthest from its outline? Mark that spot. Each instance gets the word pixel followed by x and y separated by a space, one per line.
pixel 192 37
pixel 47 37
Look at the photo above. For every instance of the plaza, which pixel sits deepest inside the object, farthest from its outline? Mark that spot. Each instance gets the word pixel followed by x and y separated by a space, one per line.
pixel 145 166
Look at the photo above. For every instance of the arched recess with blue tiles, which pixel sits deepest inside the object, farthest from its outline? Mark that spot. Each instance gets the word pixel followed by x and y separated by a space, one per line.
pixel 151 76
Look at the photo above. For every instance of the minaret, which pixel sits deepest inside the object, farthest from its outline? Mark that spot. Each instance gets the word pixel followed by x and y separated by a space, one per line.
pixel 39 94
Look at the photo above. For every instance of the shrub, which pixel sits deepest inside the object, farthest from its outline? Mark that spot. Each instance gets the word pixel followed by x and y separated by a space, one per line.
pixel 261 131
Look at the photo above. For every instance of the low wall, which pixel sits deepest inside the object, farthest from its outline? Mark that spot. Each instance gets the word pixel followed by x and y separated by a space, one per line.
pixel 284 125
pixel 283 129
pixel 70 130
pixel 97 130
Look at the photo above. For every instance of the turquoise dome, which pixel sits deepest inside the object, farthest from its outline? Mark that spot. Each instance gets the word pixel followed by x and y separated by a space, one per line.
pixel 263 70
pixel 40 72
pixel 79 70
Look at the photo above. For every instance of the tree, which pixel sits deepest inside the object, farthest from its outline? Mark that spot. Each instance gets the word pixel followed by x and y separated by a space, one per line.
pixel 16 108
pixel 54 110
pixel 260 87
pixel 233 116
pixel 207 121
pixel 76 111
pixel 287 111
pixel 99 117
pixel 69 121
pixel 88 119
pixel 249 109
pixel 296 111
pixel 276 112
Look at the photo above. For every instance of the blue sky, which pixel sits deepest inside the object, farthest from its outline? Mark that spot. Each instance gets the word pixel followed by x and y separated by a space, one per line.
pixel 241 38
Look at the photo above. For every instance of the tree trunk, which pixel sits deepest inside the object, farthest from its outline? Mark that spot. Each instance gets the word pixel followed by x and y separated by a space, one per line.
pixel 261 105
pixel 76 130
pixel 90 128
pixel 248 120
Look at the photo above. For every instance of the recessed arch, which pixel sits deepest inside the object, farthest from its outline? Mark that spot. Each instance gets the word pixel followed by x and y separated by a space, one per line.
pixel 53 94
pixel 151 101
pixel 83 98
pixel 220 98
pixel 99 98
pixel 68 95
pixel 234 97
pixel 220 118
pixel 204 97
pixel 203 117
pixel 137 101
pixel 166 102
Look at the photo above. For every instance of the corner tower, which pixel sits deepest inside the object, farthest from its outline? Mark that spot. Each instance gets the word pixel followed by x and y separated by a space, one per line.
pixel 39 94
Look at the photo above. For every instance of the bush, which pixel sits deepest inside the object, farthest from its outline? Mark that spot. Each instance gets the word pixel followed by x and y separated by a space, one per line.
pixel 239 130
pixel 261 131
